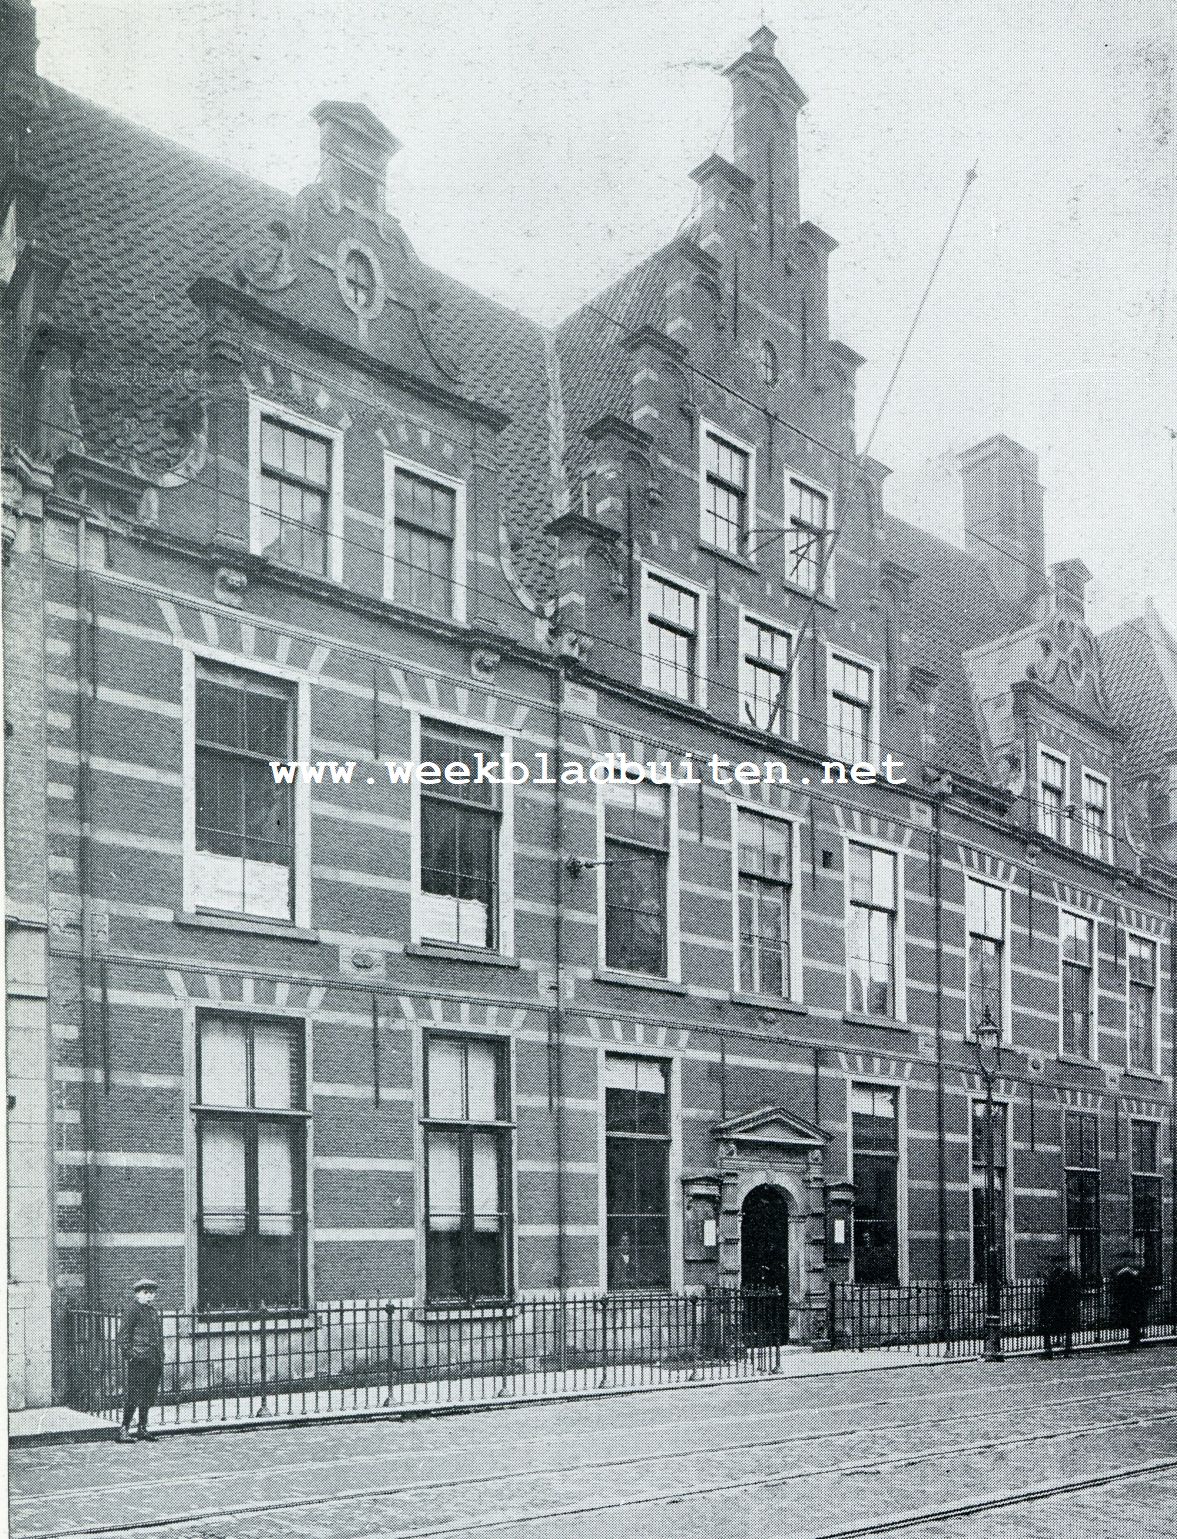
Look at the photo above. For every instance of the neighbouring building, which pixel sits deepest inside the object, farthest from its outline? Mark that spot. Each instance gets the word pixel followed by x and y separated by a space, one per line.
pixel 275 491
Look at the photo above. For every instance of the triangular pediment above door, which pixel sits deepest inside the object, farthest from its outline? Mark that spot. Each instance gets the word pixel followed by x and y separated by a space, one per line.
pixel 771 1125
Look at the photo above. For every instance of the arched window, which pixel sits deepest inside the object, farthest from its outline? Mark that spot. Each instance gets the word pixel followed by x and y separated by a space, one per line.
pixel 769 368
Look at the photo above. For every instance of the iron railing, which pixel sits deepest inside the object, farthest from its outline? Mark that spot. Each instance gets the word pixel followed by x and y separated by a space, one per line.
pixel 948 1319
pixel 368 1353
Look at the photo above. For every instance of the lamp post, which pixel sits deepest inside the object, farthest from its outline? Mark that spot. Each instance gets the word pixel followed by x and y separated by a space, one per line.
pixel 987 1045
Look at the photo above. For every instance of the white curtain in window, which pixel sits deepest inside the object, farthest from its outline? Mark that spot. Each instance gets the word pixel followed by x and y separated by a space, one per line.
pixel 223 1079
pixel 222 1170
pixel 275 1180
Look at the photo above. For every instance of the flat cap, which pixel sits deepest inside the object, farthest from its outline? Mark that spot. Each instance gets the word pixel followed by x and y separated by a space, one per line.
pixel 145 1283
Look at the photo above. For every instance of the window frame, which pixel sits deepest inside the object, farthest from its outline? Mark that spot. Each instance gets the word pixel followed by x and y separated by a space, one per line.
pixel 392 463
pixel 786 726
pixel 899 1088
pixel 872 746
pixel 1106 852
pixel 1009 1228
pixel 1092 1056
pixel 900 933
pixel 673 973
pixel 672 1061
pixel 505 888
pixel 1064 835
pixel 1157 1176
pixel 650 573
pixel 1084 1170
pixel 747 547
pixel 194 1010
pixel 260 407
pixel 300 917
pixel 503 1042
pixel 1006 1021
pixel 796 960
pixel 810 484
pixel 1153 1068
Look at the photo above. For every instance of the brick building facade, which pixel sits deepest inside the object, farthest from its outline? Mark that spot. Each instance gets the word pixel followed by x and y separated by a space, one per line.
pixel 276 491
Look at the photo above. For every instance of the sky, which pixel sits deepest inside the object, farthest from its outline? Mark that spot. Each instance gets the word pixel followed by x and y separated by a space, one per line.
pixel 546 150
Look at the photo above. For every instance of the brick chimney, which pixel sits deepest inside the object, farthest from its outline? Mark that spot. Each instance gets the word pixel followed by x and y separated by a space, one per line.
pixel 1003 515
pixel 354 151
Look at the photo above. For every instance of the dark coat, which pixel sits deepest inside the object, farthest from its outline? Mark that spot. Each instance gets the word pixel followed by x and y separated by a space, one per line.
pixel 1060 1299
pixel 141 1333
pixel 1130 1295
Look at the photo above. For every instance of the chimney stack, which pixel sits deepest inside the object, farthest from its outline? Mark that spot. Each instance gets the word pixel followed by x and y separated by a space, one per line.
pixel 1069 581
pixel 354 151
pixel 1003 515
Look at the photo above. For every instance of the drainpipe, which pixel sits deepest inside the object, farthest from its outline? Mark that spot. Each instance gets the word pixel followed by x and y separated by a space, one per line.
pixel 938 920
pixel 556 1014
pixel 84 671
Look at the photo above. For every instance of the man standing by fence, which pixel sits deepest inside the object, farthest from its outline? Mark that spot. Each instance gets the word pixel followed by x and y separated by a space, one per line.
pixel 1059 1306
pixel 140 1341
pixel 1130 1296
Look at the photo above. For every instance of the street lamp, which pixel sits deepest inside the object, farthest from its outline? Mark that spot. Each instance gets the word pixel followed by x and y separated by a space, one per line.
pixel 987 1045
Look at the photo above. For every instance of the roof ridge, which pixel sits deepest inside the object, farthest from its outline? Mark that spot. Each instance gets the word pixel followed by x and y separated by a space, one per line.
pixel 222 167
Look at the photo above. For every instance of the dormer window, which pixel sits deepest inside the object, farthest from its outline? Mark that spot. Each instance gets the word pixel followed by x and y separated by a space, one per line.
pixel 1096 838
pixel 726 487
pixel 359 280
pixel 296 490
pixel 1052 795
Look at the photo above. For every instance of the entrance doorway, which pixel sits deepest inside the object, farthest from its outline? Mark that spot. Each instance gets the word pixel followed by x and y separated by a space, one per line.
pixel 764 1266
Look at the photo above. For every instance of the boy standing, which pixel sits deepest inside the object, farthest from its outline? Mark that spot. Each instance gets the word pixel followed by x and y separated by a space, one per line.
pixel 140 1341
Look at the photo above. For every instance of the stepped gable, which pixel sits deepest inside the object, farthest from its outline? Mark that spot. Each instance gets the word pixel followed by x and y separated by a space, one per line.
pixel 595 370
pixel 140 217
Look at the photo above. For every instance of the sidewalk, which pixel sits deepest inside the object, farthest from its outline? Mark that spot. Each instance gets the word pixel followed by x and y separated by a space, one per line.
pixel 61 1424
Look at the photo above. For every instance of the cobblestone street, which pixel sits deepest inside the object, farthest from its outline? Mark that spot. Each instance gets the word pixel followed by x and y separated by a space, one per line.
pixel 1086 1447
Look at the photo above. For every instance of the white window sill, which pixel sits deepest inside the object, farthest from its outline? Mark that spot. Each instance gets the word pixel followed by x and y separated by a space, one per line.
pixel 879 1022
pixel 638 981
pixel 443 951
pixel 771 1002
pixel 255 924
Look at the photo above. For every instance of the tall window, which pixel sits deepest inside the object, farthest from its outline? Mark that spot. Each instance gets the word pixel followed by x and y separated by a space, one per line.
pixel 1081 1161
pixel 1052 796
pixel 809 518
pixel 985 916
pixel 874 1135
pixel 1000 1126
pixel 295 494
pixel 765 860
pixel 251 1163
pixel 1142 990
pixel 764 671
pixel 424 522
pixel 871 942
pixel 670 653
pixel 725 496
pixel 637 846
pixel 460 826
pixel 1146 1198
pixel 637 1172
pixel 1076 938
pixel 244 854
pixel 467 1168
pixel 359 279
pixel 852 688
pixel 1096 841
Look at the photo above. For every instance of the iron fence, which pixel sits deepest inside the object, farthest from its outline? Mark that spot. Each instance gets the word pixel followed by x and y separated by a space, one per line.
pixel 368 1354
pixel 948 1319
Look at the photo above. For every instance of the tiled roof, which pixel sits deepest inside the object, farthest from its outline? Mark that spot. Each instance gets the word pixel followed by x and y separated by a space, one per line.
pixel 1137 691
pixel 954 606
pixel 140 218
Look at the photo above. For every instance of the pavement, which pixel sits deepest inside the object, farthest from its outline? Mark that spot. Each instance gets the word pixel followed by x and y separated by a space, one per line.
pixel 1084 1447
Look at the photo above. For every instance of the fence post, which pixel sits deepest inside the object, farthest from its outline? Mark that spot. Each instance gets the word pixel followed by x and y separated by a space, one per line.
pixel 263 1409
